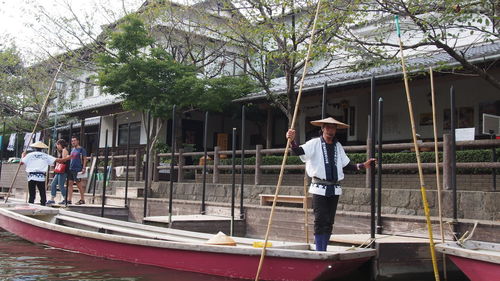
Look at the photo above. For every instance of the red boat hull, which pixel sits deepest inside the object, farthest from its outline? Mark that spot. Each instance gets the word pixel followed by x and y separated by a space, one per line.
pixel 222 264
pixel 477 270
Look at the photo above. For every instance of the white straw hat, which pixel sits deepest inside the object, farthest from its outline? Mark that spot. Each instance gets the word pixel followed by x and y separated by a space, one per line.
pixel 39 144
pixel 330 120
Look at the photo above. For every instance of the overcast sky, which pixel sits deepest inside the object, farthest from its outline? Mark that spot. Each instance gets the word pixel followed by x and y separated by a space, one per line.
pixel 17 15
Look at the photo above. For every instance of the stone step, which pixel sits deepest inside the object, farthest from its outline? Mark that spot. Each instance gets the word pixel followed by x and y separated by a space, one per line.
pixel 110 211
pixel 115 201
pixel 133 192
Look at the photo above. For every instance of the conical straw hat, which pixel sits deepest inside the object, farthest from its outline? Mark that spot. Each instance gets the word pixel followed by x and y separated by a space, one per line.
pixel 330 120
pixel 39 144
pixel 221 239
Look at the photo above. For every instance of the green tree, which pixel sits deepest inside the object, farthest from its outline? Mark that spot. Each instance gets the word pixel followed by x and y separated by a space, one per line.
pixel 447 25
pixel 149 79
pixel 140 71
pixel 23 91
pixel 273 37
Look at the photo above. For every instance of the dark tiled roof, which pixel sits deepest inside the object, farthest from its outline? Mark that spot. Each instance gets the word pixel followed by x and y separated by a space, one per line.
pixel 474 54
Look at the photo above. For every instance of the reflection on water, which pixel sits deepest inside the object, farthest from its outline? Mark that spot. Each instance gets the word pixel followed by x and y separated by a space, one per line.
pixel 22 260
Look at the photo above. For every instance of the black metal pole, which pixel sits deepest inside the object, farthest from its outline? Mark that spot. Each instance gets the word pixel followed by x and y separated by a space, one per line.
pixel 96 169
pixel 242 160
pixel 16 145
pixel 1 148
pixel 372 155
pixel 379 166
pixel 172 160
pixel 453 160
pixel 494 159
pixel 67 178
pixel 323 101
pixel 105 178
pixel 146 166
pixel 203 190
pixel 127 165
pixel 233 185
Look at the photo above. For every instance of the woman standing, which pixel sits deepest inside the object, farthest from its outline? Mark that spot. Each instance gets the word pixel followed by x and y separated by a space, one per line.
pixel 59 174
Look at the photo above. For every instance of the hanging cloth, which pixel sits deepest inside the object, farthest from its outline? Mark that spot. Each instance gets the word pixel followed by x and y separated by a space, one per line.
pixel 37 136
pixel 12 142
pixel 27 141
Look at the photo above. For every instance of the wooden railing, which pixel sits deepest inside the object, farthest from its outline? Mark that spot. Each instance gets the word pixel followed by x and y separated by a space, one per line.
pixel 257 168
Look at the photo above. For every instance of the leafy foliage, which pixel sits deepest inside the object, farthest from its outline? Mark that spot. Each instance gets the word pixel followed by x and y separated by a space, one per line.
pixel 482 155
pixel 148 78
pixel 23 91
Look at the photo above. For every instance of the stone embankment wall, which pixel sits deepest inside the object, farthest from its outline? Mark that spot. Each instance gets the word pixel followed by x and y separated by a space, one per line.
pixel 400 181
pixel 400 196
pixel 289 223
pixel 478 205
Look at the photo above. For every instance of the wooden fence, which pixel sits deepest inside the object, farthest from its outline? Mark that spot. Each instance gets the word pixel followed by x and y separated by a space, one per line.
pixel 215 168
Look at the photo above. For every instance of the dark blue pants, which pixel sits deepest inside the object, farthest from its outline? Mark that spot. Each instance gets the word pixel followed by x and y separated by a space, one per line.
pixel 32 185
pixel 324 208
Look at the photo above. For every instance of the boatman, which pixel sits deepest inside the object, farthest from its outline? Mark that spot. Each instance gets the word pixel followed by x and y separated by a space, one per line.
pixel 325 160
pixel 37 163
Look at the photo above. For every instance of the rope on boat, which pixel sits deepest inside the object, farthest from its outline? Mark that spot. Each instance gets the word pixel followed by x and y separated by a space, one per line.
pixel 417 154
pixel 34 128
pixel 466 236
pixel 285 154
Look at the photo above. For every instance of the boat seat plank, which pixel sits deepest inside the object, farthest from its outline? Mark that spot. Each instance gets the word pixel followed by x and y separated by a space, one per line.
pixel 28 211
pixel 120 230
pixel 146 231
pixel 267 199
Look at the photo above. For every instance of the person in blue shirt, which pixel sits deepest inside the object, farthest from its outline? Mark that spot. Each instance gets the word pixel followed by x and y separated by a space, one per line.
pixel 77 165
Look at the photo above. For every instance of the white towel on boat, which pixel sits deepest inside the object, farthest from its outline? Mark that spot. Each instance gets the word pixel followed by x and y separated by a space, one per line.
pixel 12 142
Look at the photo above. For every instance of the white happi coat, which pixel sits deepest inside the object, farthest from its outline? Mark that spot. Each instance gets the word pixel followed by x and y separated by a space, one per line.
pixel 315 164
pixel 37 162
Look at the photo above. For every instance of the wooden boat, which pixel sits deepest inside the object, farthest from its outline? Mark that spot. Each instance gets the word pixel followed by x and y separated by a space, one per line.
pixel 176 249
pixel 480 261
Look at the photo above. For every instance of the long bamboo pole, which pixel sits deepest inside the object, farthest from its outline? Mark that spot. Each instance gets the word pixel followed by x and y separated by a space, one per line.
pixel 34 127
pixel 285 154
pixel 436 156
pixel 417 153
pixel 306 208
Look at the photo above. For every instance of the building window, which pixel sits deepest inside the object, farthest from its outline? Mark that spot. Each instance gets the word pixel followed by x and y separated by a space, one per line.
pixel 89 87
pixel 352 121
pixel 75 90
pixel 135 133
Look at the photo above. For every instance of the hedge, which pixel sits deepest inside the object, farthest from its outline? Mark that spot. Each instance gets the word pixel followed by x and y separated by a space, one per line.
pixel 483 155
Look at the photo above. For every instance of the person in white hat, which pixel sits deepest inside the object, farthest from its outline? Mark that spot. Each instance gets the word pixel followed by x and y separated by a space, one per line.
pixel 325 160
pixel 36 163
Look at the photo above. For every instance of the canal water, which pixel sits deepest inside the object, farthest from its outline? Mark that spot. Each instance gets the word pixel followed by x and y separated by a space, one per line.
pixel 21 260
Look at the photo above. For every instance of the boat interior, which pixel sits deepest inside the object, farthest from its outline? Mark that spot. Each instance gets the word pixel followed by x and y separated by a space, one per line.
pixel 485 251
pixel 91 223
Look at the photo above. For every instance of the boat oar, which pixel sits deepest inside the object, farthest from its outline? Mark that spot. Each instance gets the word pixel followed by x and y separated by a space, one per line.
pixel 34 128
pixel 436 156
pixel 417 153
pixel 288 142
